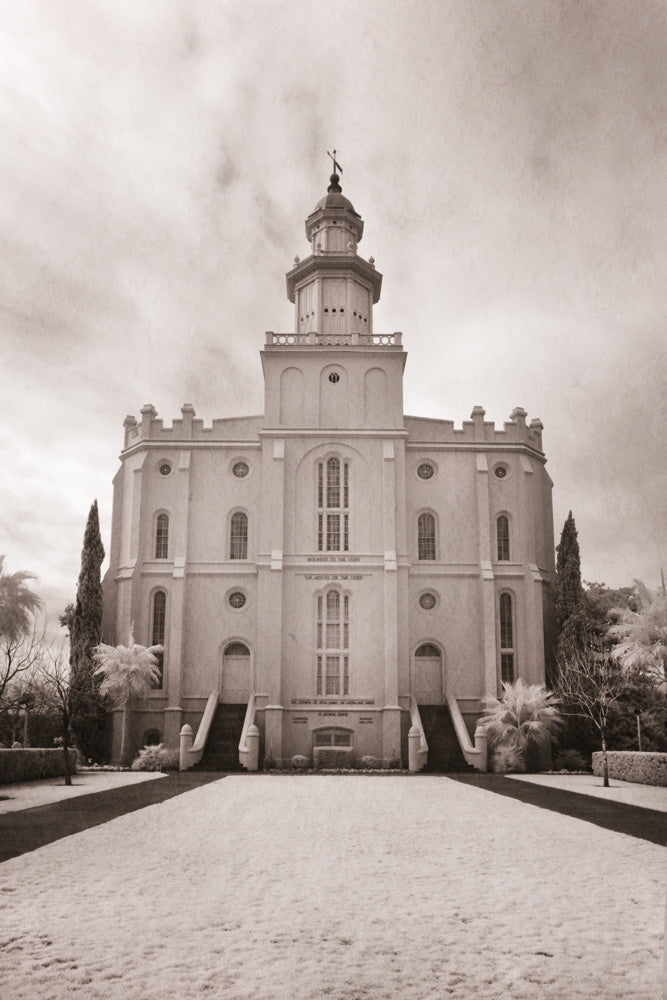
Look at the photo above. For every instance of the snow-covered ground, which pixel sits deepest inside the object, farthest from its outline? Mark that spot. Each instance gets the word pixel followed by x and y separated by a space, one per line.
pixel 27 794
pixel 271 887
pixel 630 792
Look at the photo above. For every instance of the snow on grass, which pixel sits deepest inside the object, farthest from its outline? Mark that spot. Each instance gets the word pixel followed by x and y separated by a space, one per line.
pixel 630 792
pixel 27 794
pixel 271 887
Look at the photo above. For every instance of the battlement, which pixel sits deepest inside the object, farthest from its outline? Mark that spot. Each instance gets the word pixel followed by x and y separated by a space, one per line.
pixel 477 430
pixel 312 339
pixel 188 428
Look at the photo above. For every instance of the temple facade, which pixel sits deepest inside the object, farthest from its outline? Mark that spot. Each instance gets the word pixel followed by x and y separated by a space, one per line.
pixel 332 567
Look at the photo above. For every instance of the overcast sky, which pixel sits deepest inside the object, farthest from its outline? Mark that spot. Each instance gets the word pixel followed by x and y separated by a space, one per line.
pixel 159 157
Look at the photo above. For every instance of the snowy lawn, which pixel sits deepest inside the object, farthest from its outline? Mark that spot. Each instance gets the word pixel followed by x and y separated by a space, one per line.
pixel 630 792
pixel 27 794
pixel 271 887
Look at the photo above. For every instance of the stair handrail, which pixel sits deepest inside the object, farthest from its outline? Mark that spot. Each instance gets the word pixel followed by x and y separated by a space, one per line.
pixel 197 749
pixel 249 720
pixel 416 721
pixel 472 754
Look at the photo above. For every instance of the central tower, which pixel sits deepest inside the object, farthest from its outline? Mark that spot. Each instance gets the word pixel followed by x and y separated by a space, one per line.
pixel 333 289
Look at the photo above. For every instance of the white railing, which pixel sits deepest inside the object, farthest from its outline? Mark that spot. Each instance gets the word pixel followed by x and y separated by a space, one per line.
pixel 197 749
pixel 249 742
pixel 475 755
pixel 333 339
pixel 416 723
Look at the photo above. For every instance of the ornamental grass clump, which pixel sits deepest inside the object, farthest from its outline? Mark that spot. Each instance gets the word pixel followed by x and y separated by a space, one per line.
pixel 525 720
pixel 571 760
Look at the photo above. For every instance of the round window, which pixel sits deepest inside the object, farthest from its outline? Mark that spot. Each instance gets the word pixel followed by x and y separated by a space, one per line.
pixel 165 469
pixel 425 471
pixel 428 601
pixel 500 471
pixel 237 599
pixel 334 377
pixel 240 469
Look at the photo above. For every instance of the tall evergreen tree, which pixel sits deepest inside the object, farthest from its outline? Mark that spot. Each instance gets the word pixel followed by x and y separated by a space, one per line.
pixel 84 622
pixel 569 604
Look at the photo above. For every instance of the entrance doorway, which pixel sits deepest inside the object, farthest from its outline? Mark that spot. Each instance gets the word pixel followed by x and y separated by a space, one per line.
pixel 427 684
pixel 235 687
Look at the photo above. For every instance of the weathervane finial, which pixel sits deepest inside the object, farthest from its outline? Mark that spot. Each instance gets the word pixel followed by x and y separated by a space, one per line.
pixel 337 166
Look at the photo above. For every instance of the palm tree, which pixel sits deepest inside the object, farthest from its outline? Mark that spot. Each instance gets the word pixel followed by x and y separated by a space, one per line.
pixel 127 671
pixel 525 719
pixel 17 603
pixel 642 634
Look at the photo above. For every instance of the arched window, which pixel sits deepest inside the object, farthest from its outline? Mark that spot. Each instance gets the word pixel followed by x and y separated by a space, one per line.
pixel 332 644
pixel 158 629
pixel 506 638
pixel 333 511
pixel 238 536
pixel 162 537
pixel 426 536
pixel 503 537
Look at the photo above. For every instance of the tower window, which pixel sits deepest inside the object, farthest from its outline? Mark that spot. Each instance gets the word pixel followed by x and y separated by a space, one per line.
pixel 238 540
pixel 506 639
pixel 426 537
pixel 158 629
pixel 162 537
pixel 333 630
pixel 333 513
pixel 334 377
pixel 503 536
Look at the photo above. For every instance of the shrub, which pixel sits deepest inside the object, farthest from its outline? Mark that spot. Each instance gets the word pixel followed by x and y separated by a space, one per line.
pixel 299 762
pixel 368 762
pixel 394 759
pixel 156 758
pixel 332 757
pixel 269 760
pixel 571 760
pixel 33 764
pixel 507 759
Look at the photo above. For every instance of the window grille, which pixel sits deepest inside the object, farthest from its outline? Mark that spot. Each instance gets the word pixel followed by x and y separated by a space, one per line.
pixel 158 630
pixel 333 492
pixel 503 533
pixel 426 537
pixel 333 676
pixel 506 639
pixel 238 544
pixel 162 537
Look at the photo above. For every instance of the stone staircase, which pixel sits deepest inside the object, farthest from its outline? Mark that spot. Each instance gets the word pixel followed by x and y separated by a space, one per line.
pixel 444 751
pixel 221 752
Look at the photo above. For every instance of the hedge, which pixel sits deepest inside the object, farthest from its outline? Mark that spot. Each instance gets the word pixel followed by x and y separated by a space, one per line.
pixel 33 764
pixel 630 765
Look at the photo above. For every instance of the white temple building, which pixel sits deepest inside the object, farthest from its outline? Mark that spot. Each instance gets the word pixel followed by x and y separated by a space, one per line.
pixel 333 571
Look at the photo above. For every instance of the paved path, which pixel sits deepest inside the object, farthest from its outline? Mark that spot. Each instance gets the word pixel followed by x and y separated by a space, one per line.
pixel 29 829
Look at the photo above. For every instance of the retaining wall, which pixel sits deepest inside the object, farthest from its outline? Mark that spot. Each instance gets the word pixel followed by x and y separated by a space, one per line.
pixel 33 764
pixel 630 765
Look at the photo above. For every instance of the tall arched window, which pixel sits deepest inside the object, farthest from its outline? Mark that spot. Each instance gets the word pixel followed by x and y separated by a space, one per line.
pixel 503 536
pixel 332 644
pixel 426 536
pixel 238 536
pixel 333 510
pixel 158 629
pixel 506 638
pixel 162 537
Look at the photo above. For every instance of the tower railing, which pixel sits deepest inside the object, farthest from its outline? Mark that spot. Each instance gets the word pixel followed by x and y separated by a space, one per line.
pixel 312 339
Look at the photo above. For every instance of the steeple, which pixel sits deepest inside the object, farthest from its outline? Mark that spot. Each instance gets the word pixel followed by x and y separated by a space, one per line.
pixel 334 289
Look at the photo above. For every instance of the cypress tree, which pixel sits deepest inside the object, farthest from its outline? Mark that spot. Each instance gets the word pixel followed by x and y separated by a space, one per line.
pixel 84 621
pixel 569 596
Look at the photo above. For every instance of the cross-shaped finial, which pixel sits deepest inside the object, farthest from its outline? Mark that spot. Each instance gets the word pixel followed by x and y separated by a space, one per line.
pixel 337 166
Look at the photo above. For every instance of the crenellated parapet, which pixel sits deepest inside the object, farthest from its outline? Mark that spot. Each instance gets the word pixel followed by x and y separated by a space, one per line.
pixel 477 430
pixel 187 428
